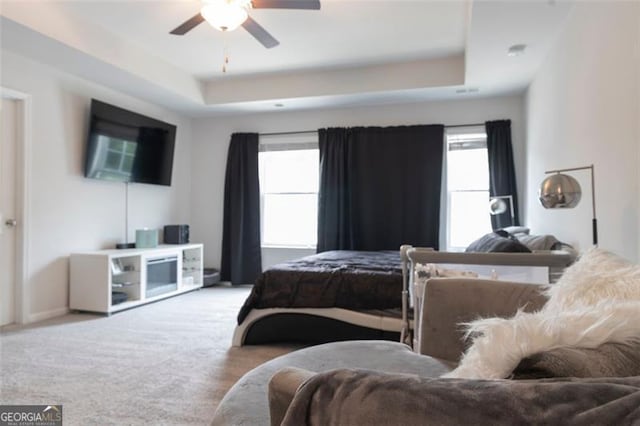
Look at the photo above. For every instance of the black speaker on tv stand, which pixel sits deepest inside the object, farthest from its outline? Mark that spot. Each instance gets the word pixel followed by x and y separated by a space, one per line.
pixel 176 234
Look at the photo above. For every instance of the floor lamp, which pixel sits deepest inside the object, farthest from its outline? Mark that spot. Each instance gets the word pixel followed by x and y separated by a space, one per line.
pixel 497 206
pixel 560 191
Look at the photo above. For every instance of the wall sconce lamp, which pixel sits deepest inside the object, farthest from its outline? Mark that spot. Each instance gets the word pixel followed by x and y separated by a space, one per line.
pixel 497 205
pixel 560 191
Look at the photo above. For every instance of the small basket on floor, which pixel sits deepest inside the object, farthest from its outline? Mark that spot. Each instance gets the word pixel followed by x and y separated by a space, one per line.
pixel 210 277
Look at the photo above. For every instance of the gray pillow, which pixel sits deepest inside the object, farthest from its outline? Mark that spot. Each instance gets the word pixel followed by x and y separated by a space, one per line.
pixel 608 360
pixel 498 241
pixel 541 242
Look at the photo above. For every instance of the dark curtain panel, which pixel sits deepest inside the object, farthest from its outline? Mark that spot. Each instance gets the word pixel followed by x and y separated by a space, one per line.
pixel 502 175
pixel 379 187
pixel 334 203
pixel 241 256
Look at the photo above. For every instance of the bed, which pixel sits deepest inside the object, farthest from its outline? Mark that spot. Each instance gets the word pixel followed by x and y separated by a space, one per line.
pixel 335 295
pixel 347 295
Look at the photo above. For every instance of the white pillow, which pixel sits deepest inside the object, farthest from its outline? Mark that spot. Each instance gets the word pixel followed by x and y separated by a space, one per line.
pixel 514 230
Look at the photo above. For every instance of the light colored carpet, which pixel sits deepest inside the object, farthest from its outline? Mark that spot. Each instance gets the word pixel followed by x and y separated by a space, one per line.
pixel 169 362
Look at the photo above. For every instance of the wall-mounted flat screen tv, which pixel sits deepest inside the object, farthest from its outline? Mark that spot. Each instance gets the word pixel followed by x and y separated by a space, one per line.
pixel 125 146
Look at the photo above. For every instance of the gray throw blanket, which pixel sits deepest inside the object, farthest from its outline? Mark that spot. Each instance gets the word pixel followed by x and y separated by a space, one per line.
pixel 361 397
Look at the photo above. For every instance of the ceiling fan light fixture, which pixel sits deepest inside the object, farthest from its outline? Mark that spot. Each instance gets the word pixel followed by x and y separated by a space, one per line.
pixel 225 15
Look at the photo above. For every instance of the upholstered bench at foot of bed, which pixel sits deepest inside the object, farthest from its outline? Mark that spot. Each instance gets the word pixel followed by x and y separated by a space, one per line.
pixel 247 403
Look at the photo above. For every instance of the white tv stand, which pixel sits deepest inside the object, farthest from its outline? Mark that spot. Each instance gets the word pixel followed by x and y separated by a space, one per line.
pixel 141 275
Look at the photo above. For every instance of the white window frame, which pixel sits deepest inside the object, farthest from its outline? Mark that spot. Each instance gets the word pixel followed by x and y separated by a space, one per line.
pixel 452 132
pixel 285 142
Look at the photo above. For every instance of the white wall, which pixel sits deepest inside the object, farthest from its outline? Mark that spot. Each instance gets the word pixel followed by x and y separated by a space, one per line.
pixel 211 140
pixel 582 108
pixel 69 213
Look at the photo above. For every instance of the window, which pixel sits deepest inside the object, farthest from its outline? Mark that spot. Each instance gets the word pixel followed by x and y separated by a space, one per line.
pixel 467 186
pixel 289 178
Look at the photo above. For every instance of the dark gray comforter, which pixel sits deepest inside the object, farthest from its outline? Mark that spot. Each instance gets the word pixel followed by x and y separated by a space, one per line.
pixel 340 279
pixel 361 397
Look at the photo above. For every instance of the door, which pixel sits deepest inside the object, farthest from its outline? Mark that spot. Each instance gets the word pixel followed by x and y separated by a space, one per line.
pixel 8 137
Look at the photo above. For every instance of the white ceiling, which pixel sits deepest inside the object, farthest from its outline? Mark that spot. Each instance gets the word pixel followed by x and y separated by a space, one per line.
pixel 350 52
pixel 342 33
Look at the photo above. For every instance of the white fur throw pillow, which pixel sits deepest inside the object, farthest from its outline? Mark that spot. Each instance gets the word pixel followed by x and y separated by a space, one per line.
pixel 598 275
pixel 596 301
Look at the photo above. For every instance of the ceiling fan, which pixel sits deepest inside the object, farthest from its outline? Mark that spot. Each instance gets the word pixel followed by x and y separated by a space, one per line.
pixel 227 15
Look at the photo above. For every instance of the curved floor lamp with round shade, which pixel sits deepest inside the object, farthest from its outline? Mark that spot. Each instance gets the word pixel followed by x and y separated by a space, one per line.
pixel 560 191
pixel 497 205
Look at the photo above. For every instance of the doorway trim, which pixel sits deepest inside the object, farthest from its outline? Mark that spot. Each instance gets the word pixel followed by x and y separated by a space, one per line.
pixel 23 184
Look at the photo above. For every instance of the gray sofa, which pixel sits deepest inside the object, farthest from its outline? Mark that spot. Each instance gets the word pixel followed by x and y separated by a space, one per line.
pixel 448 302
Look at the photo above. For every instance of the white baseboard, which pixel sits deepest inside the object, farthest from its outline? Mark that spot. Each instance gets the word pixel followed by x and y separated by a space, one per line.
pixel 41 316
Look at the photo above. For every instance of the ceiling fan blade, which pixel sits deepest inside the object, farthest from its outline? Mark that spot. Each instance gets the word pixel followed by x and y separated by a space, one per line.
pixel 286 4
pixel 260 33
pixel 188 25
